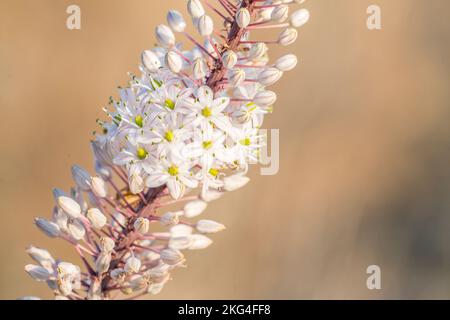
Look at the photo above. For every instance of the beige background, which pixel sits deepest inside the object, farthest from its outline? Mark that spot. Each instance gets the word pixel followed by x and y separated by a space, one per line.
pixel 364 175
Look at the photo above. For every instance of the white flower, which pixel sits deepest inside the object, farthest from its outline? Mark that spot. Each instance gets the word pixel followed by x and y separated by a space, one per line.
pixel 206 110
pixel 176 175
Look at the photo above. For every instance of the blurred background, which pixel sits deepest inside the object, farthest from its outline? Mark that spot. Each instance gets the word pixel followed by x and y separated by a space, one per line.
pixel 365 149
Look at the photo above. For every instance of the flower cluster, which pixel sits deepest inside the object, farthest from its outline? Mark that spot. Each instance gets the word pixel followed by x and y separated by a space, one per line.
pixel 183 132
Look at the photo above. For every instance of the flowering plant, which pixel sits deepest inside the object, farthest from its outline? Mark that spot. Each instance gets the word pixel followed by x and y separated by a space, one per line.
pixel 183 132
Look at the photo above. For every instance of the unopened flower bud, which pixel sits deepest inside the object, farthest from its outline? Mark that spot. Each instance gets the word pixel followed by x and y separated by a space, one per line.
pixel 98 186
pixel 76 229
pixel 136 183
pixel 287 36
pixel 81 177
pixel 172 256
pixel 269 76
pixel 97 218
pixel 165 36
pixel 118 274
pixel 257 51
pixel 38 273
pixel 195 8
pixel 211 195
pixel 176 21
pixel 133 265
pixel 236 76
pixel 150 61
pixel 209 226
pixel 194 208
pixel 229 59
pixel 235 182
pixel 50 228
pixel 265 98
pixel 170 218
pixel 280 13
pixel 205 25
pixel 141 225
pixel 69 206
pixel 199 241
pixel 42 256
pixel 243 18
pixel 299 18
pixel 199 68
pixel 174 61
pixel 180 230
pixel 180 243
pixel 106 244
pixel 286 62
pixel 102 263
pixel 102 170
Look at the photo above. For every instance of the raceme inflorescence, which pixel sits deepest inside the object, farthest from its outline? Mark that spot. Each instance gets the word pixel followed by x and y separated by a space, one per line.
pixel 181 135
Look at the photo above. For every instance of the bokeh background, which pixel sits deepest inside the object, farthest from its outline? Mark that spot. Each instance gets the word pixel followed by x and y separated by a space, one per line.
pixel 364 176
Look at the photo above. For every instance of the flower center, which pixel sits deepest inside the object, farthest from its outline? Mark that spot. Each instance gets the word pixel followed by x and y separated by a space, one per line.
pixel 207 144
pixel 206 112
pixel 213 172
pixel 139 121
pixel 245 142
pixel 141 153
pixel 169 136
pixel 170 104
pixel 173 170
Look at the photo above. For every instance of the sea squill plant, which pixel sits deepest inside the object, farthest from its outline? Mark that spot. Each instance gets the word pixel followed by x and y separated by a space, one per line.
pixel 181 134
